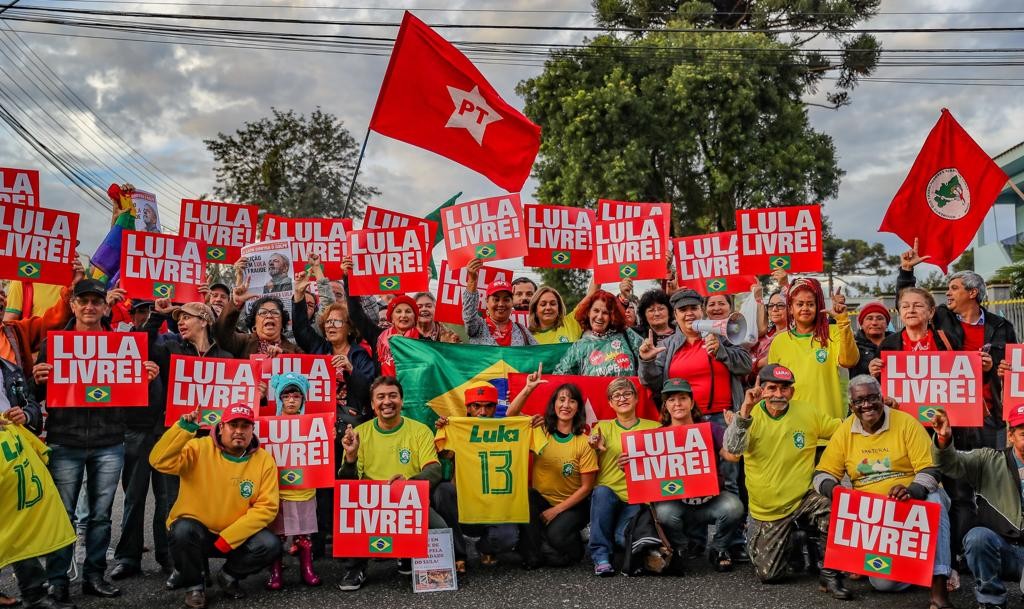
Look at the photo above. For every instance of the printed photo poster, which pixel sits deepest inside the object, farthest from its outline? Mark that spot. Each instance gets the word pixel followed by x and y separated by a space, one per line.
pixel 559 237
pixel 1013 381
pixel 97 369
pixel 317 369
pixel 787 238
pixel 268 268
pixel 37 244
pixel 19 186
pixel 147 212
pixel 923 382
pixel 451 282
pixel 208 384
pixel 489 229
pixel 224 227
pixel 675 462
pixel 378 217
pixel 710 264
pixel 628 210
pixel 162 266
pixel 881 537
pixel 436 572
pixel 324 237
pixel 388 261
pixel 630 249
pixel 381 519
pixel 302 447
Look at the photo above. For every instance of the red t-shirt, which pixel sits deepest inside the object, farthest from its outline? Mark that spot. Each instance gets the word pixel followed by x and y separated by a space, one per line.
pixel 974 336
pixel 692 362
pixel 924 344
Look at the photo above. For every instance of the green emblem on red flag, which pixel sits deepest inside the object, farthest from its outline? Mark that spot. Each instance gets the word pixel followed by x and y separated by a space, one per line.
pixel 671 487
pixel 29 269
pixel 291 477
pixel 560 257
pixel 715 285
pixel 776 263
pixel 163 290
pixel 389 283
pixel 488 250
pixel 380 545
pixel 97 394
pixel 873 563
pixel 216 253
pixel 627 271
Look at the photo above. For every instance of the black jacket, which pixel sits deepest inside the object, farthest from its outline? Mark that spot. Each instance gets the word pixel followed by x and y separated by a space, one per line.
pixel 20 393
pixel 868 352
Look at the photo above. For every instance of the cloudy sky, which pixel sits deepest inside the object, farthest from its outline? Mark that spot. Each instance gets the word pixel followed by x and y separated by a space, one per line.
pixel 164 99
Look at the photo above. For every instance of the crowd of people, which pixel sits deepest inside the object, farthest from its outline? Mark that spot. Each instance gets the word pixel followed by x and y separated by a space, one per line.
pixel 791 416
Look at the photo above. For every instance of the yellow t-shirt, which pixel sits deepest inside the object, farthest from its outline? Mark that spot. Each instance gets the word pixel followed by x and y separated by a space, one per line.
pixel 568 332
pixel 44 296
pixel 557 469
pixel 779 460
pixel 492 461
pixel 405 450
pixel 878 462
pixel 610 474
pixel 34 519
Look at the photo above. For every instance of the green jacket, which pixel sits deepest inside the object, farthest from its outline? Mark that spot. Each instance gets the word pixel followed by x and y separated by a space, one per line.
pixel 993 474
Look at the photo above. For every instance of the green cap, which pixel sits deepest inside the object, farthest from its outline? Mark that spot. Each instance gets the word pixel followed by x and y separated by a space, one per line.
pixel 676 386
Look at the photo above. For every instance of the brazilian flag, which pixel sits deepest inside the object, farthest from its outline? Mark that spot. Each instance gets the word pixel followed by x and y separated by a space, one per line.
pixel 435 376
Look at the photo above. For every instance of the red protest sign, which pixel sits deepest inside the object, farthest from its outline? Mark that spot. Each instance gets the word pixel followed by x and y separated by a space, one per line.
pixel 675 462
pixel 154 265
pixel 209 384
pixel 451 282
pixel 881 537
pixel 633 249
pixel 559 237
pixel 376 217
pixel 1013 381
pixel 97 369
pixel 19 186
pixel 223 227
pixel 710 264
pixel 37 244
pixel 381 519
pixel 302 446
pixel 626 210
pixel 324 237
pixel 787 238
pixel 593 388
pixel 388 261
pixel 923 382
pixel 316 368
pixel 489 229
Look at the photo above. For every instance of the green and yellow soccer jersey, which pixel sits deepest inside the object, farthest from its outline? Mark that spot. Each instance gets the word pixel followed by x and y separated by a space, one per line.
pixel 404 450
pixel 610 474
pixel 34 520
pixel 492 464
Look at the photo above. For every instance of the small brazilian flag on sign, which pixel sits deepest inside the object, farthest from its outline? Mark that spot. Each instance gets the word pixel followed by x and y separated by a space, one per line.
pixel 627 271
pixel 560 257
pixel 389 283
pixel 29 269
pixel 671 487
pixel 779 262
pixel 210 416
pixel 927 413
pixel 215 252
pixel 380 545
pixel 873 563
pixel 97 394
pixel 291 477
pixel 488 250
pixel 715 285
pixel 163 290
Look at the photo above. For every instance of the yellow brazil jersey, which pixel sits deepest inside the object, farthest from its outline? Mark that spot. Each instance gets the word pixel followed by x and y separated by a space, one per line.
pixel 492 461
pixel 34 519
pixel 610 474
pixel 404 450
pixel 779 460
pixel 557 469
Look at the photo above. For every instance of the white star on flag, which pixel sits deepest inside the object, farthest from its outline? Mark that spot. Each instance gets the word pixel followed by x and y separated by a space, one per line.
pixel 471 112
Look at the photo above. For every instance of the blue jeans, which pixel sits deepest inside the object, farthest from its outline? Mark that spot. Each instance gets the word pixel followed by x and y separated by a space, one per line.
pixel 678 518
pixel 731 477
pixel 609 517
pixel 992 559
pixel 943 556
pixel 67 467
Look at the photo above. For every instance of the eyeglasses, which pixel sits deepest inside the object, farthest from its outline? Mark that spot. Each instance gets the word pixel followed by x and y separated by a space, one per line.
pixel 871 398
pixel 621 396
pixel 335 323
pixel 268 313
pixel 778 306
pixel 906 306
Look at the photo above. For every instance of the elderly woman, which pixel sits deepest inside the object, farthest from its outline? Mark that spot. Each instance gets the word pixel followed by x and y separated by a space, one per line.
pixel 497 328
pixel 428 328
pixel 266 323
pixel 916 307
pixel 873 321
pixel 549 322
pixel 402 313
pixel 887 452
pixel 655 314
pixel 608 347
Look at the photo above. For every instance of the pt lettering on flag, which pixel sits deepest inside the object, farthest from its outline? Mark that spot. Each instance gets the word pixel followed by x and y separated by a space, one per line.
pixel 559 237
pixel 19 186
pixel 316 368
pixel 627 210
pixel 489 229
pixel 162 266
pixel 377 217
pixel 710 264
pixel 675 462
pixel 388 261
pixel 302 446
pixel 452 282
pixel 223 227
pixel 882 537
pixel 37 244
pixel 593 388
pixel 629 249
pixel 97 369
pixel 924 382
pixel 1013 382
pixel 378 519
pixel 324 237
pixel 209 384
pixel 786 238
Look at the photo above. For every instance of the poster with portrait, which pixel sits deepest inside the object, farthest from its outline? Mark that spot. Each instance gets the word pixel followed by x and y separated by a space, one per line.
pixel 268 268
pixel 147 212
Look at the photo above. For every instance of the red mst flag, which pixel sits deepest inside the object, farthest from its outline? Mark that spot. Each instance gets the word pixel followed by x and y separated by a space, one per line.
pixel 946 195
pixel 433 97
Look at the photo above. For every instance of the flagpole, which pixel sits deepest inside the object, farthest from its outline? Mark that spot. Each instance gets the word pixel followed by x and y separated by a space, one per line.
pixel 1015 189
pixel 355 174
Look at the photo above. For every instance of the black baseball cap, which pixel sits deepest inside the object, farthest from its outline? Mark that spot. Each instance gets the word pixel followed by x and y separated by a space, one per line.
pixel 138 304
pixel 686 297
pixel 90 286
pixel 776 373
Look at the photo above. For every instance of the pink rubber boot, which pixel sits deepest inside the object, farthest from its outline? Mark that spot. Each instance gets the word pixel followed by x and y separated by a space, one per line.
pixel 275 581
pixel 309 576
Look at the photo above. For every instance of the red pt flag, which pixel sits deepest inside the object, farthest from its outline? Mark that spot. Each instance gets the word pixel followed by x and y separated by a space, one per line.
pixel 302 447
pixel 224 227
pixel 388 261
pixel 593 388
pixel 37 244
pixel 947 194
pixel 162 266
pixel 710 264
pixel 675 462
pixel 630 249
pixel 923 382
pixel 559 237
pixel 378 519
pixel 207 384
pixel 433 97
pixel 19 186
pixel 787 238
pixel 97 369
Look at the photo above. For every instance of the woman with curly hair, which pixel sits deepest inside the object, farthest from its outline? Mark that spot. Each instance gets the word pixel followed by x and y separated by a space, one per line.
pixel 607 347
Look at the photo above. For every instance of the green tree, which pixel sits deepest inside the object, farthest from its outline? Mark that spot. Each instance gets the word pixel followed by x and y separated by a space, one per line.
pixel 965 262
pixel 290 164
pixel 1013 273
pixel 856 257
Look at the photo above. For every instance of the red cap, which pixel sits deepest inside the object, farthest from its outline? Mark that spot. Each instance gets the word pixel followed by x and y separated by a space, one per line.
pixel 1016 418
pixel 482 393
pixel 872 307
pixel 237 411
pixel 499 285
